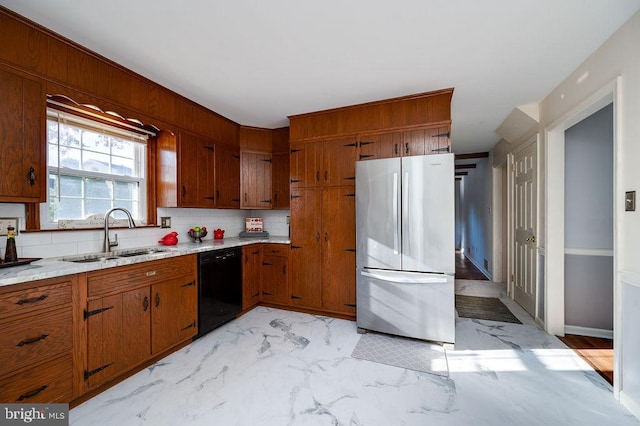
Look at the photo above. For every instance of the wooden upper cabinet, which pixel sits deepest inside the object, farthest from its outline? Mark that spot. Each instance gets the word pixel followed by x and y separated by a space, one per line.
pixel 280 180
pixel 22 139
pixel 306 164
pixel 227 171
pixel 255 183
pixel 413 142
pixel 339 160
pixel 385 145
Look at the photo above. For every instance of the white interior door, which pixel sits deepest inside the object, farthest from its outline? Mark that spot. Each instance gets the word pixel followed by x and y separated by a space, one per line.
pixel 524 215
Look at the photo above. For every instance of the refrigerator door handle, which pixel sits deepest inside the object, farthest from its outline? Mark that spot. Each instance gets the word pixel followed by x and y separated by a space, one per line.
pixel 405 207
pixel 396 234
pixel 405 279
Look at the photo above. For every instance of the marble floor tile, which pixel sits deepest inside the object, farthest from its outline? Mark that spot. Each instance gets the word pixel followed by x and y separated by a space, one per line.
pixel 275 367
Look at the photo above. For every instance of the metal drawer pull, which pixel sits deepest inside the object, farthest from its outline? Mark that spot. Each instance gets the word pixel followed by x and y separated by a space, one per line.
pixel 32 393
pixel 189 284
pixel 192 325
pixel 151 273
pixel 33 340
pixel 145 303
pixel 32 300
pixel 157 299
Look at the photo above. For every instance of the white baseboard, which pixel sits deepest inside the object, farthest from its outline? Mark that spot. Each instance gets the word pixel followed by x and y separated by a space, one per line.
pixel 586 331
pixel 630 404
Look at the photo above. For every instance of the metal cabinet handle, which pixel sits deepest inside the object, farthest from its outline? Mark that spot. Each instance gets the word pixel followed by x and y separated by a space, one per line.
pixel 184 191
pixel 317 236
pixel 326 236
pixel 32 393
pixel 32 300
pixel 157 299
pixel 406 148
pixel 318 175
pixel 326 175
pixel 32 176
pixel 33 340
pixel 284 269
pixel 245 197
pixel 395 149
pixel 145 303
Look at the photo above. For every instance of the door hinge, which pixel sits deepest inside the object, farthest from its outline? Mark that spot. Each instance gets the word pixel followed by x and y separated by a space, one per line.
pixel 88 314
pixel 446 148
pixel 350 178
pixel 210 148
pixel 351 305
pixel 295 297
pixel 355 144
pixel 441 135
pixel 235 156
pixel 266 293
pixel 189 284
pixel 267 264
pixel 295 150
pixel 363 156
pixel 296 247
pixel 268 160
pixel 365 143
pixel 88 374
pixel 295 180
pixel 293 197
pixel 352 250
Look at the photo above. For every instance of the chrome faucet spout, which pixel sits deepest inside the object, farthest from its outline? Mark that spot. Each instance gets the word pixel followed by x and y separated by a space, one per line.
pixel 107 242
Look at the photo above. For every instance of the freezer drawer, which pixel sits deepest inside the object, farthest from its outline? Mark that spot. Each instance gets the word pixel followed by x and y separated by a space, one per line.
pixel 406 304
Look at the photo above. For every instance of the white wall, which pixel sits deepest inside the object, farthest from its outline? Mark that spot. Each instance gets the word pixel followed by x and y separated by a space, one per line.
pixel 68 242
pixel 617 57
pixel 476 204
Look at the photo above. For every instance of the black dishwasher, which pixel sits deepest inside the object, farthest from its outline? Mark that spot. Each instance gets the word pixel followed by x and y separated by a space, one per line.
pixel 219 288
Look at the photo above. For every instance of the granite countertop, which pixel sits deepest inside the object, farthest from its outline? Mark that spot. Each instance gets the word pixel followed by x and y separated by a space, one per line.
pixel 56 266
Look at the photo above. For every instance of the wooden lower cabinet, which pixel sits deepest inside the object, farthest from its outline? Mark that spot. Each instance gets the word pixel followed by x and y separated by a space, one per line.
pixel 174 313
pixel 251 275
pixel 138 316
pixel 275 274
pixel 118 336
pixel 36 341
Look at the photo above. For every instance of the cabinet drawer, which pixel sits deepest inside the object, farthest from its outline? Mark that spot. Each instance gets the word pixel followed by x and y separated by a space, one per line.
pixel 146 273
pixel 25 341
pixel 47 383
pixel 281 250
pixel 34 299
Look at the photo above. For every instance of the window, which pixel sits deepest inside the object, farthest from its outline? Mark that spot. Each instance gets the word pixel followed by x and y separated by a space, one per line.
pixel 92 168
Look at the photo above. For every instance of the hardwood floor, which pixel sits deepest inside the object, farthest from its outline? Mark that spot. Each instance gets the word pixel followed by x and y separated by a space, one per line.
pixel 465 270
pixel 596 351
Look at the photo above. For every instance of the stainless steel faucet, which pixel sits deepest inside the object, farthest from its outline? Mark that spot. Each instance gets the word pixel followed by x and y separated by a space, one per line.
pixel 107 242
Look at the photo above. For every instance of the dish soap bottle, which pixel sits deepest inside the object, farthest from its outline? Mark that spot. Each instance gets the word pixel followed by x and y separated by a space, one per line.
pixel 11 254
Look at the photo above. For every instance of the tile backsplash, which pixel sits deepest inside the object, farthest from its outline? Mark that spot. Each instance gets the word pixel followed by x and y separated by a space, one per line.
pixel 68 243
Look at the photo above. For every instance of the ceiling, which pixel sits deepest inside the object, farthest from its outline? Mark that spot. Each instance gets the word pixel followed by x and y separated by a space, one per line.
pixel 257 62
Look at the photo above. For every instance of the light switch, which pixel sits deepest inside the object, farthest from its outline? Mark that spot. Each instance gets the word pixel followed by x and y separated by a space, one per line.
pixel 630 201
pixel 6 222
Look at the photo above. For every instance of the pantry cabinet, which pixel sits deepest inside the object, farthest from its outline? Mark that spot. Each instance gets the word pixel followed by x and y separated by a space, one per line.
pixel 22 139
pixel 280 181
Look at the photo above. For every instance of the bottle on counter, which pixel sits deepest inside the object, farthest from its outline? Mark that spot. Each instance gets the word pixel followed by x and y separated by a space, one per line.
pixel 11 253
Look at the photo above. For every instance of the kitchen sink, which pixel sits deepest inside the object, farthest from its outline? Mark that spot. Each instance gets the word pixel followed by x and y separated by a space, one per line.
pixel 104 257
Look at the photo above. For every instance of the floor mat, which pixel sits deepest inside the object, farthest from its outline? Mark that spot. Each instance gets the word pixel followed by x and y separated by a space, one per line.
pixel 484 308
pixel 401 352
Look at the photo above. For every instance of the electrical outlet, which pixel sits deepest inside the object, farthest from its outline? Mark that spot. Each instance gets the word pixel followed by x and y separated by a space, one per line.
pixel 165 222
pixel 5 222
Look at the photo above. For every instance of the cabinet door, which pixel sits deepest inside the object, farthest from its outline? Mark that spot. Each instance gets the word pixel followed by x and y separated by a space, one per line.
pixel 196 168
pixel 339 250
pixel 339 162
pixel 227 170
pixel 280 170
pixel 251 275
pixel 306 248
pixel 306 164
pixel 174 312
pixel 373 147
pixel 413 143
pixel 444 139
pixel 275 283
pixel 256 180
pixel 22 141
pixel 118 334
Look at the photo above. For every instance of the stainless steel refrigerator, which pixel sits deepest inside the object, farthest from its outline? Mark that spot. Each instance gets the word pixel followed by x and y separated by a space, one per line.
pixel 405 256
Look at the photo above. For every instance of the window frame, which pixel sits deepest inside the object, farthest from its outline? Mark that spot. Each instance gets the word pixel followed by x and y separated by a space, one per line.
pixel 95 123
